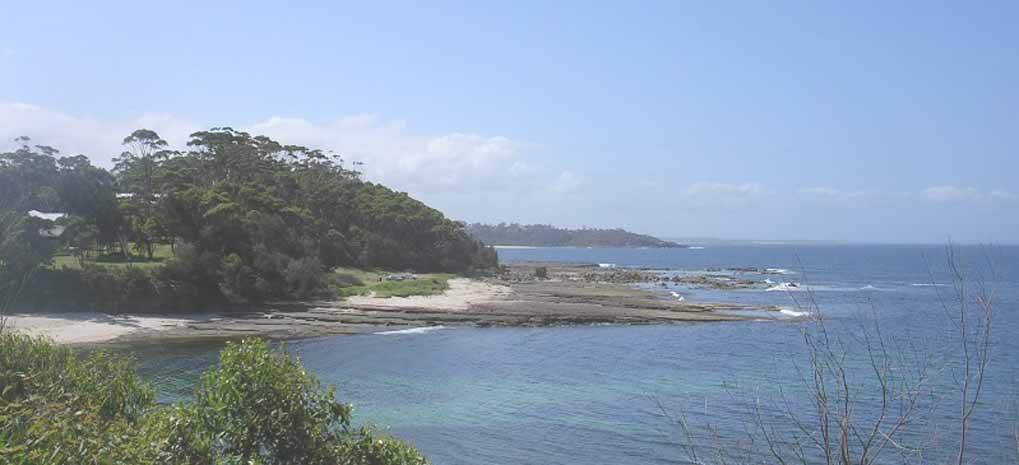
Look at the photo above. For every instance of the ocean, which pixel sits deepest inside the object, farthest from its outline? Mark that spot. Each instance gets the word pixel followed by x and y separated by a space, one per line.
pixel 612 394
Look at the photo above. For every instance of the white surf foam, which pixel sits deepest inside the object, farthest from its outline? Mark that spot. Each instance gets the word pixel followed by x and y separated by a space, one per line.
pixel 606 265
pixel 779 271
pixel 786 287
pixel 426 329
pixel 793 313
pixel 677 295
pixel 695 247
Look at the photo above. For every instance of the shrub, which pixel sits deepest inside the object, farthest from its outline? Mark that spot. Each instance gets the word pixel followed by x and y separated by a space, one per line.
pixel 261 405
pixel 305 278
pixel 258 407
pixel 57 409
pixel 236 279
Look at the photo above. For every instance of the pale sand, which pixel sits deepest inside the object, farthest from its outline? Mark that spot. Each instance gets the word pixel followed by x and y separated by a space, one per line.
pixel 462 294
pixel 77 328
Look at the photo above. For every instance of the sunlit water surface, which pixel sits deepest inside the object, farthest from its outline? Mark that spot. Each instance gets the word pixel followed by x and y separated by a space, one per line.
pixel 596 394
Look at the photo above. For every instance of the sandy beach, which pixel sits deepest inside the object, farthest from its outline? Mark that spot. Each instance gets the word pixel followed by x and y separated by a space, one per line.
pixel 80 328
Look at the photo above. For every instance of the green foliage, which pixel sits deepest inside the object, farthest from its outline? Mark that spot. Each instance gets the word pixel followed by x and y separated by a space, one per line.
pixel 376 284
pixel 58 409
pixel 34 366
pixel 103 288
pixel 259 406
pixel 363 447
pixel 250 219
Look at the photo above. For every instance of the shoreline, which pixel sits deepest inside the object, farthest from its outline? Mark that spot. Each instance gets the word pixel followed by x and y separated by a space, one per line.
pixel 572 296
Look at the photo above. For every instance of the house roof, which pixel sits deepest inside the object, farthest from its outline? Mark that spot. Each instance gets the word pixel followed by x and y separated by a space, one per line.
pixel 46 216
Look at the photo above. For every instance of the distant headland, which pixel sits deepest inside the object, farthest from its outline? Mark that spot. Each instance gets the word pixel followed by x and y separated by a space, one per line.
pixel 542 235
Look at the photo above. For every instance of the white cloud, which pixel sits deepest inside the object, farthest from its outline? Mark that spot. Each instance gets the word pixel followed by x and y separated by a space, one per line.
pixel 723 194
pixel 72 135
pixel 432 167
pixel 827 195
pixel 820 191
pixel 950 193
pixel 955 194
pixel 998 194
pixel 567 182
pixel 424 164
pixel 717 189
pixel 935 194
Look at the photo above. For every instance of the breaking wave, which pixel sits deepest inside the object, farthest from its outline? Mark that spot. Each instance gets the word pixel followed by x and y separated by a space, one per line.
pixel 793 313
pixel 426 329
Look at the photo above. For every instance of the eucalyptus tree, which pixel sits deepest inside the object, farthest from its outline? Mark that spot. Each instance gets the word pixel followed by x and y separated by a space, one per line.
pixel 137 170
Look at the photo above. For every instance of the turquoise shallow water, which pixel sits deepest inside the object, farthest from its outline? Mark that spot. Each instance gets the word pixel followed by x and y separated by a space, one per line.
pixel 591 395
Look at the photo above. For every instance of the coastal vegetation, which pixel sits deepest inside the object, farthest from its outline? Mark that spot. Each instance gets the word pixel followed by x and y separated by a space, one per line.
pixel 541 235
pixel 382 284
pixel 258 406
pixel 232 219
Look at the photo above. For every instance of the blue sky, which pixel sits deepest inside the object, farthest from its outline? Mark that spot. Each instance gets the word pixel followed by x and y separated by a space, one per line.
pixel 862 121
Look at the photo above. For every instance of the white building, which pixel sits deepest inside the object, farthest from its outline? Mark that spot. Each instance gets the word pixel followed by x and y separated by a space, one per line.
pixel 56 230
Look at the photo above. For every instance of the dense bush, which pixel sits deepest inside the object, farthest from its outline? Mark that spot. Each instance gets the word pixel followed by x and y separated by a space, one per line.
pixel 258 407
pixel 246 219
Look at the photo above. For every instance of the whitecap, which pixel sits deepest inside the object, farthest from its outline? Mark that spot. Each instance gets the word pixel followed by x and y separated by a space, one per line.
pixel 785 287
pixel 792 313
pixel 426 329
pixel 778 271
pixel 768 281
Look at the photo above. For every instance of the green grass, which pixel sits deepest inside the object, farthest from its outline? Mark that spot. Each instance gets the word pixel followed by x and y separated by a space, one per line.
pixel 161 254
pixel 354 282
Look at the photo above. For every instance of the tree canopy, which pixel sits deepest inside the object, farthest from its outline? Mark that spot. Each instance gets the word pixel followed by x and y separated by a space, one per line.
pixel 247 218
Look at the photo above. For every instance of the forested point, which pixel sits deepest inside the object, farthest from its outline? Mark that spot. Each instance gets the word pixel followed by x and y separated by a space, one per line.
pixel 541 235
pixel 232 218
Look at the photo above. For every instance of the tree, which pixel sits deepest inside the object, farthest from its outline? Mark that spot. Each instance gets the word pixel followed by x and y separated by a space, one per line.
pixel 137 170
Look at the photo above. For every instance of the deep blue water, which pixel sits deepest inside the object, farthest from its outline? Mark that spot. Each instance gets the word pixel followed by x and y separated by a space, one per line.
pixel 592 395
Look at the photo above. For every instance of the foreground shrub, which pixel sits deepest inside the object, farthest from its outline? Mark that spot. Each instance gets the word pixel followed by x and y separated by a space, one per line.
pixel 258 407
pixel 261 405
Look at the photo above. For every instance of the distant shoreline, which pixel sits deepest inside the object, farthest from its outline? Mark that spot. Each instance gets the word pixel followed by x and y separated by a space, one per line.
pixel 543 235
pixel 525 247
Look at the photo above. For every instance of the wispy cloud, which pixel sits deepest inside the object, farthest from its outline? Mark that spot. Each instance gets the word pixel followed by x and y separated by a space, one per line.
pixel 718 189
pixel 722 194
pixel 567 182
pixel 956 194
pixel 431 166
pixel 936 194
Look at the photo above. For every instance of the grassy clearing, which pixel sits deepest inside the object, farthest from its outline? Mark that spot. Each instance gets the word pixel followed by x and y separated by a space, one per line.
pixel 161 254
pixel 354 282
